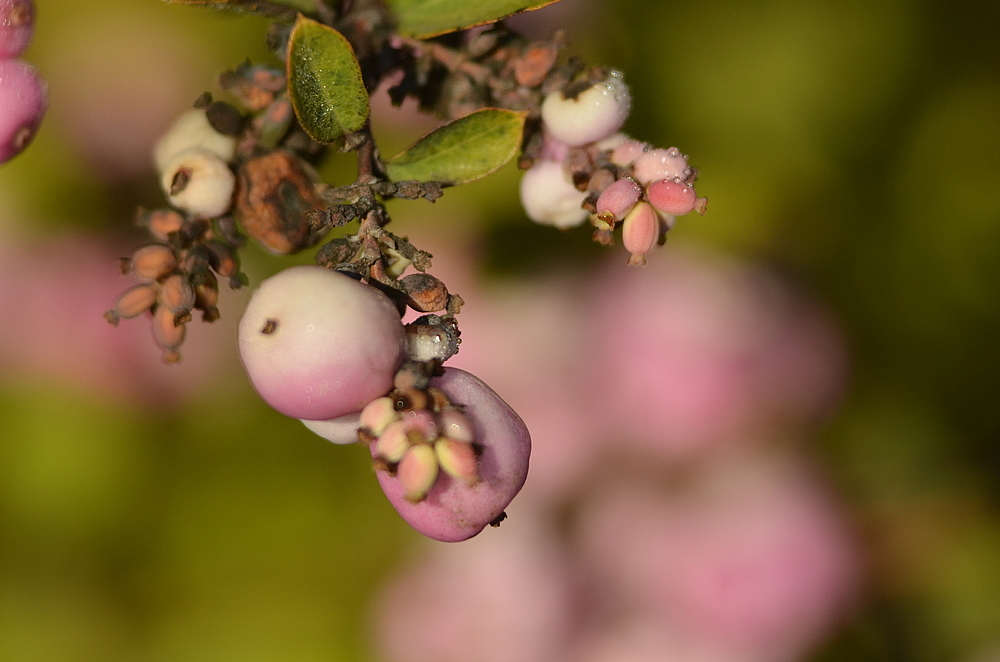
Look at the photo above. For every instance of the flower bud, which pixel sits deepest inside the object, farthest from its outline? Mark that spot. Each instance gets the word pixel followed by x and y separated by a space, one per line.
pixel 199 182
pixel 378 414
pixel 17 26
pixel 417 472
pixel 455 425
pixel 151 262
pixel 640 231
pixel 617 200
pixel 393 443
pixel 551 199
pixel 168 334
pixel 457 459
pixel 23 100
pixel 659 164
pixel 133 302
pixel 162 222
pixel 192 129
pixel 206 297
pixel 626 153
pixel 177 295
pixel 671 196
pixel 595 113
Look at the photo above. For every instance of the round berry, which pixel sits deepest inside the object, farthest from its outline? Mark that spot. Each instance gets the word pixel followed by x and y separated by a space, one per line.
pixel 199 182
pixel 17 26
pixel 659 164
pixel 549 198
pixel 594 114
pixel 318 344
pixel 192 129
pixel 23 99
pixel 453 509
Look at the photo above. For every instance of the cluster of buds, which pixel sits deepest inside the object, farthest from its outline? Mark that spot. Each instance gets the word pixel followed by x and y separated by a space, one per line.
pixel 580 166
pixel 23 94
pixel 417 432
pixel 179 274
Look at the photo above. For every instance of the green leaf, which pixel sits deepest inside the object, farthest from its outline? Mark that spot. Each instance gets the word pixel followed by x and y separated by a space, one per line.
pixel 428 18
pixel 271 8
pixel 461 151
pixel 324 82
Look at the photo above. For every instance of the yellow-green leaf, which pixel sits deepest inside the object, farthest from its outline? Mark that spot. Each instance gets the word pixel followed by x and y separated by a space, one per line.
pixel 427 18
pixel 461 151
pixel 324 82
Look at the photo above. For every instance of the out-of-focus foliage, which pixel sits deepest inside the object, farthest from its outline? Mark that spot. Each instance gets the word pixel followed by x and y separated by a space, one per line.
pixel 164 513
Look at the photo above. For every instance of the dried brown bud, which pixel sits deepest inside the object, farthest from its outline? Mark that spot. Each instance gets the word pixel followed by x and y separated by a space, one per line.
pixel 177 295
pixel 132 303
pixel 151 262
pixel 161 222
pixel 168 334
pixel 535 64
pixel 206 297
pixel 425 293
pixel 272 195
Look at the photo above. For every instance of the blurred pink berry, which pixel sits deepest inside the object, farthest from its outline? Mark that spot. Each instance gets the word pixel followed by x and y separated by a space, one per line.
pixel 640 232
pixel 318 344
pixel 595 113
pixel 453 510
pixel 340 430
pixel 672 197
pixel 17 26
pixel 627 152
pixel 659 164
pixel 23 100
pixel 549 198
pixel 618 199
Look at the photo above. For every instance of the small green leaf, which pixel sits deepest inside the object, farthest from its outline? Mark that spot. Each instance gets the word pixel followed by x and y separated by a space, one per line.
pixel 428 18
pixel 284 9
pixel 324 82
pixel 461 151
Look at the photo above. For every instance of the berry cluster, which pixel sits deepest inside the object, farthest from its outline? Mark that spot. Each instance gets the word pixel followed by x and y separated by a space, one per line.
pixel 583 167
pixel 325 348
pixel 23 94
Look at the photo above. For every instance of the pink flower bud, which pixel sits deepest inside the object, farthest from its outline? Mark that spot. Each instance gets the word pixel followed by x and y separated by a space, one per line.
pixel 417 472
pixel 421 422
pixel 458 459
pixel 17 25
pixel 378 414
pixel 23 99
pixel 671 196
pixel 661 164
pixel 455 425
pixel 393 443
pixel 640 232
pixel 626 153
pixel 617 200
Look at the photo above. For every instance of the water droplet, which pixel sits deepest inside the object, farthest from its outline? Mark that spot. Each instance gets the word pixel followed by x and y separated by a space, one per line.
pixel 311 328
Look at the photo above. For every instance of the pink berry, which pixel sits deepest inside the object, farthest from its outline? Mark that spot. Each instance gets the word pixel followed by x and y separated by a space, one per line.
pixel 318 344
pixel 627 152
pixel 452 510
pixel 23 99
pixel 618 199
pixel 549 198
pixel 594 114
pixel 17 26
pixel 661 164
pixel 672 197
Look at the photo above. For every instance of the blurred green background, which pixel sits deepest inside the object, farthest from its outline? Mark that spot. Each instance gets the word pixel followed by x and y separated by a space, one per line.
pixel 853 145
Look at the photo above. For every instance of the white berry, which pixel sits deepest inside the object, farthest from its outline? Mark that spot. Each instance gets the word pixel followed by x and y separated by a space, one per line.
pixel 318 344
pixel 192 129
pixel 596 113
pixel 549 198
pixel 199 182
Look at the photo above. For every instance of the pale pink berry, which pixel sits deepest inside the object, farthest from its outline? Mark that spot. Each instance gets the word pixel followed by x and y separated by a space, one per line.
pixel 672 197
pixel 17 26
pixel 640 232
pixel 596 113
pixel 23 100
pixel 318 344
pixel 626 153
pixel 451 510
pixel 661 164
pixel 616 200
pixel 549 198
